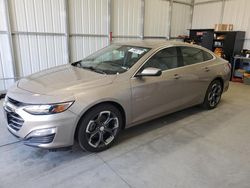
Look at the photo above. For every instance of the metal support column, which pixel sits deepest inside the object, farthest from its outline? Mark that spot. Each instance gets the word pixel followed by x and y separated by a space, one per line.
pixel 67 30
pixel 109 21
pixel 142 18
pixel 171 2
pixel 7 8
pixel 192 14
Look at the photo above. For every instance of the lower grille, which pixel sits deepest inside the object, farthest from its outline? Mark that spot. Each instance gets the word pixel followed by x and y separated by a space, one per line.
pixel 15 121
pixel 40 140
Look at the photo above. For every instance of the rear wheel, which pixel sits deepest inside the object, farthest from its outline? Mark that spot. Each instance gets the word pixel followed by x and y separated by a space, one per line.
pixel 99 128
pixel 213 95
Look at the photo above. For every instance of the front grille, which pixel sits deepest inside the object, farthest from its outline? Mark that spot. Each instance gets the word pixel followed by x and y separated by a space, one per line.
pixel 15 121
pixel 16 103
pixel 40 140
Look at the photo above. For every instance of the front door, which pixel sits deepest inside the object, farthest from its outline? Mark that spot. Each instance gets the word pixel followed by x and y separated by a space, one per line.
pixel 152 96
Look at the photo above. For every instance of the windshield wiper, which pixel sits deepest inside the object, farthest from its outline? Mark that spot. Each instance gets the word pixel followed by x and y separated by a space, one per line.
pixel 94 69
pixel 78 64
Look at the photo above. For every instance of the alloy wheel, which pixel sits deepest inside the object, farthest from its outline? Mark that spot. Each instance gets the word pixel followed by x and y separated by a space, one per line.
pixel 215 94
pixel 102 129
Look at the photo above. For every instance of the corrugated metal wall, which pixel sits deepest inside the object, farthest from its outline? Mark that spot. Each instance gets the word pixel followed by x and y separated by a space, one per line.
pixel 6 64
pixel 156 18
pixel 126 18
pixel 205 16
pixel 3 23
pixel 38 52
pixel 87 18
pixel 83 46
pixel 237 13
pixel 181 22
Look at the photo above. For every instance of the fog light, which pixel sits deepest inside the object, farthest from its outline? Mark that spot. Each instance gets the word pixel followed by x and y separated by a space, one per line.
pixel 42 132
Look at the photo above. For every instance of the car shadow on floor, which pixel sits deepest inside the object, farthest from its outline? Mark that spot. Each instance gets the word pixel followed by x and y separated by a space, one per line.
pixel 186 116
pixel 59 157
pixel 160 122
pixel 30 156
pixel 126 134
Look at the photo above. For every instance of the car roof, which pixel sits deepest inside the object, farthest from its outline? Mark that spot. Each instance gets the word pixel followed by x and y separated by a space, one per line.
pixel 149 43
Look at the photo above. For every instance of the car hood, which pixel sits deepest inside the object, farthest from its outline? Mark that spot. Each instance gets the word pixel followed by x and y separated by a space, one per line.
pixel 64 80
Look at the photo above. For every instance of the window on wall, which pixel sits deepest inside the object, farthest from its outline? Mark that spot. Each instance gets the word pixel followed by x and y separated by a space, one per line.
pixel 192 55
pixel 164 59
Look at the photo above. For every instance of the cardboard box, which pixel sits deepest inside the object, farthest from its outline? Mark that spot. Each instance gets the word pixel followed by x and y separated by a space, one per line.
pixel 223 27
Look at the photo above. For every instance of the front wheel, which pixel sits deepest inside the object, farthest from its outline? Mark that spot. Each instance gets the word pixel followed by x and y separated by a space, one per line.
pixel 99 128
pixel 213 95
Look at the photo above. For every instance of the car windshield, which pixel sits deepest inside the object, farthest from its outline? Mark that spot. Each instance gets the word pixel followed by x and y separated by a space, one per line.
pixel 114 59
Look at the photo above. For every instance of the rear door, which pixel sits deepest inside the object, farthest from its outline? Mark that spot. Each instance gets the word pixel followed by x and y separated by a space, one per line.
pixel 196 71
pixel 206 69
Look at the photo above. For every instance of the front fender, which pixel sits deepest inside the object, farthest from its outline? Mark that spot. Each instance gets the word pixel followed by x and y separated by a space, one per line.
pixel 86 100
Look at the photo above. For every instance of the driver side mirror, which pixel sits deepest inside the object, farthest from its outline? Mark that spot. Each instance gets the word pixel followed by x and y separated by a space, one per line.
pixel 150 71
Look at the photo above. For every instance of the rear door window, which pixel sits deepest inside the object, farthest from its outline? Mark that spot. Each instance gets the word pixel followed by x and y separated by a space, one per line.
pixel 192 55
pixel 207 56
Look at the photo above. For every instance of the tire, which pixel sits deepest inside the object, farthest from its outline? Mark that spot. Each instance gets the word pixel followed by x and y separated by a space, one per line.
pixel 213 95
pixel 99 128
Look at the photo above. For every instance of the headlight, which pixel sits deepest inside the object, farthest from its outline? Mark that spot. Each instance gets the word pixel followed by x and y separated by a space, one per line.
pixel 47 109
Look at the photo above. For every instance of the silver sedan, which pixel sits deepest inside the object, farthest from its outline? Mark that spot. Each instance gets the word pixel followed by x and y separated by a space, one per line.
pixel 117 87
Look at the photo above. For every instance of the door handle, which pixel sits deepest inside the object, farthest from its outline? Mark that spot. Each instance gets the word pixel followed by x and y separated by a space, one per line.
pixel 207 69
pixel 177 76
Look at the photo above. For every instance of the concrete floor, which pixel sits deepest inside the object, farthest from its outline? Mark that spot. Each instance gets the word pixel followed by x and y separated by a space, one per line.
pixel 188 149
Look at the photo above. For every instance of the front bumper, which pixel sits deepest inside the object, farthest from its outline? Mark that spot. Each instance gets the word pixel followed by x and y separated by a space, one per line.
pixel 61 127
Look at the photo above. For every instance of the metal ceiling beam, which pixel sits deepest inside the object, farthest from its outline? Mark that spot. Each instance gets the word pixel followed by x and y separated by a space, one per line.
pixel 154 37
pixel 86 35
pixel 37 33
pixel 126 36
pixel 183 3
pixel 3 32
pixel 13 78
pixel 53 34
pixel 208 2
